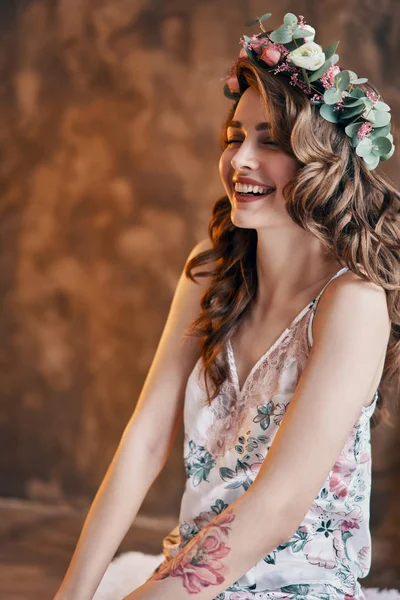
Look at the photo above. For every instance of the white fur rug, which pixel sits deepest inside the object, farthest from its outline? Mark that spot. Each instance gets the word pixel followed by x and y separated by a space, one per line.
pixel 130 570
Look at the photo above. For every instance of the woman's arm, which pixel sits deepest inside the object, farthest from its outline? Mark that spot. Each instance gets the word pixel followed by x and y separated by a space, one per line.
pixel 351 331
pixel 144 446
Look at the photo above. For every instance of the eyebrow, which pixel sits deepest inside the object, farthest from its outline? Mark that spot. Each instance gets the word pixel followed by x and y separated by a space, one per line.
pixel 258 127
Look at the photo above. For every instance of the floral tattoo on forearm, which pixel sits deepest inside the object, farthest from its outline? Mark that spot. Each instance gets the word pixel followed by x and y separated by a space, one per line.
pixel 199 563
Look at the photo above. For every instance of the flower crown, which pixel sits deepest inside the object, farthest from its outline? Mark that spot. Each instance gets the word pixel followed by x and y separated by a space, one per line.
pixel 291 50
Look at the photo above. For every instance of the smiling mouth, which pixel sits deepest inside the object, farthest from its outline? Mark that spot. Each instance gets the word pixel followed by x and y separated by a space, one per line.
pixel 252 195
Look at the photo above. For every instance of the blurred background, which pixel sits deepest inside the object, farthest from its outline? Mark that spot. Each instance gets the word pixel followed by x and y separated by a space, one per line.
pixel 109 124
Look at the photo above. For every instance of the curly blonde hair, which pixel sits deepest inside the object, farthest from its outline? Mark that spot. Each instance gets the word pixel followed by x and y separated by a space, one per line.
pixel 352 211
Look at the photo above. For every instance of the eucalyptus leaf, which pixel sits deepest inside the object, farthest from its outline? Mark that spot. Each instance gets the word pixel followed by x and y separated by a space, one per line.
pixel 352 128
pixel 342 80
pixel 372 164
pixel 334 58
pixel 357 93
pixel 290 19
pixel 321 71
pixel 381 118
pixel 352 111
pixel 255 21
pixel 382 106
pixel 300 33
pixel 364 147
pixel 360 80
pixel 330 50
pixel 380 132
pixel 353 75
pixel 329 114
pixel 282 35
pixel 358 102
pixel 387 156
pixel 332 95
pixel 383 144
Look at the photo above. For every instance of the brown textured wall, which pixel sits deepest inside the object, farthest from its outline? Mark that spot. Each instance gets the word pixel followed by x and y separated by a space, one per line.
pixel 110 112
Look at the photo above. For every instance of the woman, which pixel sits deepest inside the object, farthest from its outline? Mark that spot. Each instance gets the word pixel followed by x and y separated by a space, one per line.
pixel 277 397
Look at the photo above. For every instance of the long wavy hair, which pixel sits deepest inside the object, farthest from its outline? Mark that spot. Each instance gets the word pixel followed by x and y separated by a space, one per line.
pixel 352 211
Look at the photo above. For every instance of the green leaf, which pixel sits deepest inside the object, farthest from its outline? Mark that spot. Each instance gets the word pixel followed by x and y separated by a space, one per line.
pixel 387 156
pixel 329 114
pixel 354 102
pixel 321 71
pixel 352 129
pixel 380 132
pixel 382 106
pixel 282 35
pixel 352 111
pixel 381 118
pixel 353 75
pixel 290 19
pixel 332 95
pixel 371 162
pixel 364 147
pixel 342 80
pixel 360 80
pixel 300 33
pixel 357 93
pixel 330 50
pixel 383 144
pixel 334 58
pixel 255 21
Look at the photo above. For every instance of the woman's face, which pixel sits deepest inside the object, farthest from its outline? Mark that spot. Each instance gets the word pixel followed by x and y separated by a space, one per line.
pixel 252 155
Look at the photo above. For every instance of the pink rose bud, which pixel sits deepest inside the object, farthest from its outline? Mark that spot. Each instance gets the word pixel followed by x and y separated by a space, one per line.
pixel 271 55
pixel 233 84
pixel 256 43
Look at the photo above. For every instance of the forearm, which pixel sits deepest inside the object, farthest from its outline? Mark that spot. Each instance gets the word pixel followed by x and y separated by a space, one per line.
pixel 222 552
pixel 114 507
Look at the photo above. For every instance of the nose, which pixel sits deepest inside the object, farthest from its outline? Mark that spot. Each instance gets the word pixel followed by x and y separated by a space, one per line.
pixel 246 156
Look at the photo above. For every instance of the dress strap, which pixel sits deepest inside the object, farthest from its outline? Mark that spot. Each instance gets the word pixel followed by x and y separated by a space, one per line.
pixel 316 300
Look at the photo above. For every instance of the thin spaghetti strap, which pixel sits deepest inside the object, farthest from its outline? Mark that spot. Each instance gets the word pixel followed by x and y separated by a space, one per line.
pixel 310 336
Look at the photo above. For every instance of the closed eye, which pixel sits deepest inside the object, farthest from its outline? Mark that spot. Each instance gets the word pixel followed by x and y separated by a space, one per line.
pixel 228 142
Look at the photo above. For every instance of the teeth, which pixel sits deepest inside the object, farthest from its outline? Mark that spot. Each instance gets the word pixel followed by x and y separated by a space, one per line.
pixel 245 188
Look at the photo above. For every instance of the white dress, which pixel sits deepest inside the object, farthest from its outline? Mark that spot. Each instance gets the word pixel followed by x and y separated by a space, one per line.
pixel 224 447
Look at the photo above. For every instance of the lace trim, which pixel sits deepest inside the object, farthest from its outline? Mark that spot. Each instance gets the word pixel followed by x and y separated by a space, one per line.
pixel 275 375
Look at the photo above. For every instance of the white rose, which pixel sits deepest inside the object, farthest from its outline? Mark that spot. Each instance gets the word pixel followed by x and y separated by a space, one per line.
pixel 308 56
pixel 311 37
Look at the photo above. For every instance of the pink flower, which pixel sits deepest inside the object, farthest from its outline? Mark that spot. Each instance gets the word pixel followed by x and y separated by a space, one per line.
pixel 364 130
pixel 256 43
pixel 372 96
pixel 328 77
pixel 233 84
pixel 271 55
pixel 242 53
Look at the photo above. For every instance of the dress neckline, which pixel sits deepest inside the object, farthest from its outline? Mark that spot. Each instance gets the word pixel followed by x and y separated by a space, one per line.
pixel 285 332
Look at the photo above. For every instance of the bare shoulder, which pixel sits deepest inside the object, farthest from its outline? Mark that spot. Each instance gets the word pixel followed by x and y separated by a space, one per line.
pixel 350 303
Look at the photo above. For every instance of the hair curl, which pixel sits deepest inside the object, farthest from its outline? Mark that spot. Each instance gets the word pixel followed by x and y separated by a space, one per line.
pixel 352 211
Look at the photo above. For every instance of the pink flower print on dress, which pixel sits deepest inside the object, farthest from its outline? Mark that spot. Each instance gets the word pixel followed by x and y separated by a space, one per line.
pixel 351 520
pixel 320 550
pixel 341 476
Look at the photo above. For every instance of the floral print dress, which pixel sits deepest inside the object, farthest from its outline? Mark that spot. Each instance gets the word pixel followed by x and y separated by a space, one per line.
pixel 224 447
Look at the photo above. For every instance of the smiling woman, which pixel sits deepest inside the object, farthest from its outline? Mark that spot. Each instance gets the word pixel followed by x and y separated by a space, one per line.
pixel 292 338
